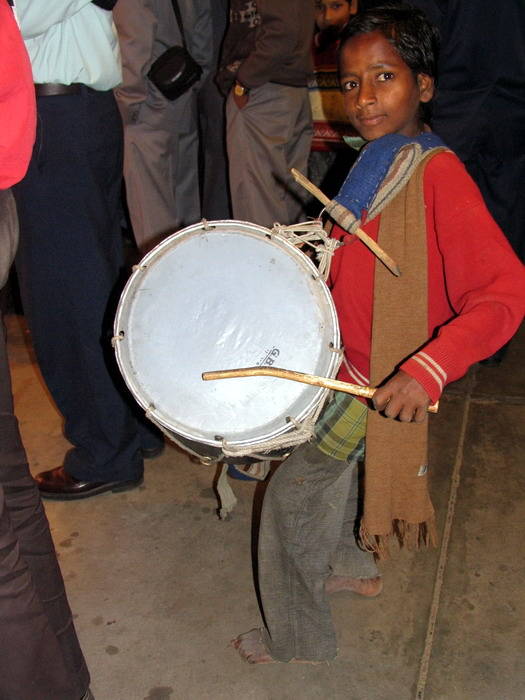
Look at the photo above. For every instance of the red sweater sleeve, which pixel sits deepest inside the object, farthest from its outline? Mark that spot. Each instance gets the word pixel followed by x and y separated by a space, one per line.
pixel 473 270
pixel 17 101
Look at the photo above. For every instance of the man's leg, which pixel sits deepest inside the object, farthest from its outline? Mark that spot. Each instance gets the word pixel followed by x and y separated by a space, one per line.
pixel 70 259
pixel 161 167
pixel 298 151
pixel 262 188
pixel 187 187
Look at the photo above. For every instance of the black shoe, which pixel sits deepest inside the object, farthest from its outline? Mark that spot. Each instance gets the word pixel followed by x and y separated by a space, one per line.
pixel 61 486
pixel 151 452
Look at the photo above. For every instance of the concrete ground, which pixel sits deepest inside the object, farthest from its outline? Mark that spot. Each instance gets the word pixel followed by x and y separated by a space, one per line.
pixel 159 585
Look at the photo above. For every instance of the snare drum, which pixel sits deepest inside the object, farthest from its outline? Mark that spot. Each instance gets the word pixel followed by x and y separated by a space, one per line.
pixel 221 295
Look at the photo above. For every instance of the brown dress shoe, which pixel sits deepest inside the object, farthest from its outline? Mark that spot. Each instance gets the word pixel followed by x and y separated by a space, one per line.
pixel 61 486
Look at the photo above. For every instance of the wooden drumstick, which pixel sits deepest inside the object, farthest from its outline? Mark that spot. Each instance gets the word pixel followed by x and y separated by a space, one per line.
pixel 324 382
pixel 345 219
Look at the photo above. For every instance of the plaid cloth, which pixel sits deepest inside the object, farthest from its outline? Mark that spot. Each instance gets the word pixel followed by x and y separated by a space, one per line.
pixel 341 429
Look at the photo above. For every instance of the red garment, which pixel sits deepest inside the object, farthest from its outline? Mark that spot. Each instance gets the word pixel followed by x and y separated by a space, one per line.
pixel 17 102
pixel 330 123
pixel 476 284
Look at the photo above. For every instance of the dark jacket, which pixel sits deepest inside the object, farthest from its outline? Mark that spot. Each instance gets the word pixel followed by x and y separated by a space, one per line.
pixel 481 75
pixel 268 41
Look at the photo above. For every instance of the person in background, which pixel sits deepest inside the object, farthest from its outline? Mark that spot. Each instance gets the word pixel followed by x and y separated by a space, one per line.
pixel 40 656
pixel 479 109
pixel 70 255
pixel 330 158
pixel 265 65
pixel 162 154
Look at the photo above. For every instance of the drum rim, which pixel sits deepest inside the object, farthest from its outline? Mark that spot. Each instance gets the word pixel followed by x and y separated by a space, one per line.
pixel 126 297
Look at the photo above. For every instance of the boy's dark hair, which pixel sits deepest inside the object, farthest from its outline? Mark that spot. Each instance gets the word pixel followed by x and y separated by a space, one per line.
pixel 405 27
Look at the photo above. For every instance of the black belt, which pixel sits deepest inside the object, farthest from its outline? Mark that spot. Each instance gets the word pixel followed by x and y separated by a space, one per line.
pixel 52 89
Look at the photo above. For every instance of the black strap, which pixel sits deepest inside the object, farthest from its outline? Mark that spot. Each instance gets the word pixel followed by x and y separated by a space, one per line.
pixel 176 9
pixel 105 4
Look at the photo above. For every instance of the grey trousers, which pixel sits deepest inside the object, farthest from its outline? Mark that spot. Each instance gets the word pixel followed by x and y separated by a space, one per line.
pixel 161 137
pixel 266 138
pixel 307 533
pixel 161 150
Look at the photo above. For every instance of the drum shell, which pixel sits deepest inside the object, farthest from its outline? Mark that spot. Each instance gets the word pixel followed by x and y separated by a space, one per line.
pixel 210 304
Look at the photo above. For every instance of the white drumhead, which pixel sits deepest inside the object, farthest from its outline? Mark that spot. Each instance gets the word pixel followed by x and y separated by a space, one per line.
pixel 224 295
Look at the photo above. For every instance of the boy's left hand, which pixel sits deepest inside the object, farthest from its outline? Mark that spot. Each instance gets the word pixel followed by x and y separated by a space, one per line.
pixel 402 397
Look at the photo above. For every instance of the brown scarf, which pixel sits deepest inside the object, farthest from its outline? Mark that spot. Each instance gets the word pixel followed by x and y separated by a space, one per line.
pixel 396 483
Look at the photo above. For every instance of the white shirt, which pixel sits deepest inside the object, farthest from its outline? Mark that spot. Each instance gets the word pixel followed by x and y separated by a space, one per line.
pixel 70 41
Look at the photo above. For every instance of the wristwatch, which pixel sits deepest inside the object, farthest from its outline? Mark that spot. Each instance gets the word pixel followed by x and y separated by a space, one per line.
pixel 239 90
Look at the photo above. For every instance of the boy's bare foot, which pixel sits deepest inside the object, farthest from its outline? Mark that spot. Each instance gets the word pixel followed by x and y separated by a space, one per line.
pixel 251 647
pixel 367 587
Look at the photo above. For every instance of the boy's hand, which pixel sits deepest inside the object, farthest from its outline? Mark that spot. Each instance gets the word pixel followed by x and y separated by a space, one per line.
pixel 402 397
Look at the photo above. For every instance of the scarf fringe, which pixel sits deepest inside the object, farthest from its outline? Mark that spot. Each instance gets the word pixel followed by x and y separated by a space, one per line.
pixel 412 536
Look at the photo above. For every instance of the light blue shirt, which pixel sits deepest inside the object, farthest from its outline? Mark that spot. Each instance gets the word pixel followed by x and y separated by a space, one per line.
pixel 70 41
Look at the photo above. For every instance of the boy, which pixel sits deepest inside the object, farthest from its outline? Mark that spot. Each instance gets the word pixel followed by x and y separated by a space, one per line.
pixel 460 296
pixel 329 158
pixel 334 13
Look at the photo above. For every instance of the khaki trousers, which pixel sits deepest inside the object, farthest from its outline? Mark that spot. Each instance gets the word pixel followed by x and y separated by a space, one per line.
pixel 270 135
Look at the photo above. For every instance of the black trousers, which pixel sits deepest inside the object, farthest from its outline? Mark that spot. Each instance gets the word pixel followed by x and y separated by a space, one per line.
pixel 501 182
pixel 69 263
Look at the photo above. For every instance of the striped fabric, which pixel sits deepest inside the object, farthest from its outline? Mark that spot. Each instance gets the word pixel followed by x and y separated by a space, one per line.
pixel 435 370
pixel 340 431
pixel 355 375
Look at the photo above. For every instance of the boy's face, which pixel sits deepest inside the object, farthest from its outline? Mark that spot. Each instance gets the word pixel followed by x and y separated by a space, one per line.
pixel 333 13
pixel 381 94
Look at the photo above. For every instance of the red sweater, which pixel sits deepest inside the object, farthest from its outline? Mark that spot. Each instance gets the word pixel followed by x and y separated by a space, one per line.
pixel 17 102
pixel 476 284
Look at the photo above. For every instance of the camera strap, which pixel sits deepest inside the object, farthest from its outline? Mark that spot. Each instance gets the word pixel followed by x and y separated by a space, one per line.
pixel 178 16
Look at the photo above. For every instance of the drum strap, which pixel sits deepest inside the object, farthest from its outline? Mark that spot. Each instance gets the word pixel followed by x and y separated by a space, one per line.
pixel 228 500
